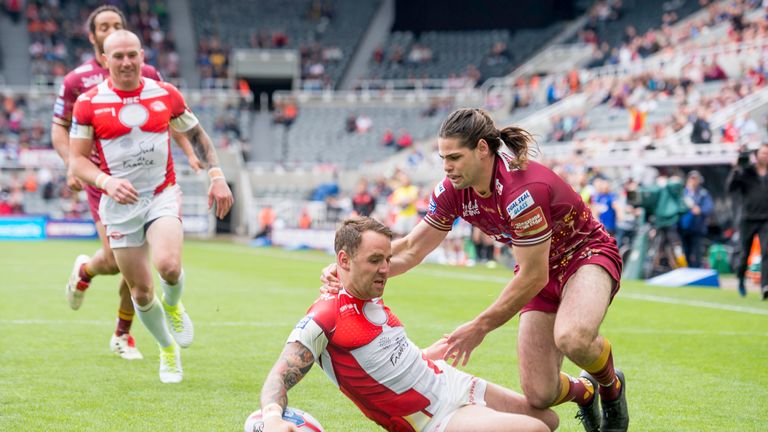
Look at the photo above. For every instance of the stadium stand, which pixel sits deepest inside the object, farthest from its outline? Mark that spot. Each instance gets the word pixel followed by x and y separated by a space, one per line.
pixel 59 39
pixel 325 33
pixel 644 109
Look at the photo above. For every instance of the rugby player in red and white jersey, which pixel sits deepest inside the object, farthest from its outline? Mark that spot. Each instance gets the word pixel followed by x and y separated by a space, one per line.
pixel 127 119
pixel 362 347
pixel 568 267
pixel 100 24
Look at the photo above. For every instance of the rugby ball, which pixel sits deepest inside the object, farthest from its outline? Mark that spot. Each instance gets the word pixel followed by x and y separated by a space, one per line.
pixel 303 420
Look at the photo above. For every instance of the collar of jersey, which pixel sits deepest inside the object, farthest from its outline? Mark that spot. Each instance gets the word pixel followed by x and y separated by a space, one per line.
pixel 126 92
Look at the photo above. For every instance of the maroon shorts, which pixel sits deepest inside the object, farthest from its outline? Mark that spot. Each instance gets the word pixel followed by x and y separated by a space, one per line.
pixel 94 197
pixel 604 254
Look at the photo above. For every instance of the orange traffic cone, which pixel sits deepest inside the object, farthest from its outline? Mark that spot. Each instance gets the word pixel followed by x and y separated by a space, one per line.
pixel 753 261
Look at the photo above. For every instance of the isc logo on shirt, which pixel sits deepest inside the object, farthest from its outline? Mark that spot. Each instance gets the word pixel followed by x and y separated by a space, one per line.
pixel 520 204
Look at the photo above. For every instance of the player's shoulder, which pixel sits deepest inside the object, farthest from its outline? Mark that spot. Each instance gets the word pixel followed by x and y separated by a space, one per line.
pixel 324 311
pixel 443 186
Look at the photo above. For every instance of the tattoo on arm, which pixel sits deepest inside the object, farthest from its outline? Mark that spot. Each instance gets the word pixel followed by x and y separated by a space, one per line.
pixel 203 146
pixel 295 362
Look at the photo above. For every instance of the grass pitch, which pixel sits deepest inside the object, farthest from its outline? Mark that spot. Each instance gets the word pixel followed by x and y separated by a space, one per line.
pixel 696 359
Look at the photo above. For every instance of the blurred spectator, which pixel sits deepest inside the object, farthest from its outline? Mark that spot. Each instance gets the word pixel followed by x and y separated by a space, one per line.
pixel 363 203
pixel 363 124
pixel 305 220
pixel 267 217
pixel 701 133
pixel 405 140
pixel 693 224
pixel 604 204
pixel 388 139
pixel 403 201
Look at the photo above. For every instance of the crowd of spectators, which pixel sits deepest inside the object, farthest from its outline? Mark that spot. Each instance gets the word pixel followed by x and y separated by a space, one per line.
pixel 667 36
pixel 59 39
pixel 315 54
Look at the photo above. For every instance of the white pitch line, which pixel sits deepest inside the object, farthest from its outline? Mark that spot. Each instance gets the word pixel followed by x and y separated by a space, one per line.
pixel 101 323
pixel 625 330
pixel 504 280
pixel 696 303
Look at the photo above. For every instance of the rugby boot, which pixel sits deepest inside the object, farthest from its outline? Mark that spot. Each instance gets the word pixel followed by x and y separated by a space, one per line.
pixel 589 415
pixel 76 286
pixel 616 413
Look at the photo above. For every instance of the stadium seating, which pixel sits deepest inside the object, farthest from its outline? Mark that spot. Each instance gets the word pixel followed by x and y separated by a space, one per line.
pixel 327 37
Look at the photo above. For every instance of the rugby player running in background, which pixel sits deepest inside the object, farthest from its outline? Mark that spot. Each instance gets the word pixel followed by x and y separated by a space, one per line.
pixel 127 118
pixel 101 23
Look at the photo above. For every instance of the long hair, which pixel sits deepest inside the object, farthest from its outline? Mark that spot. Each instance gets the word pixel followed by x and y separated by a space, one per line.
pixel 470 125
pixel 91 22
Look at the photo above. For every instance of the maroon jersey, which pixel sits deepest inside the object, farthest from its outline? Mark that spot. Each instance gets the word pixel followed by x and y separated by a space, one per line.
pixel 525 208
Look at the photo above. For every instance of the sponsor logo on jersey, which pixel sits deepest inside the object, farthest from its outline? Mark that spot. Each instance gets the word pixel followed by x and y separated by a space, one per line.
pixel 530 223
pixel 347 307
pixel 402 344
pixel 304 321
pixel 499 187
pixel 520 204
pixel 91 81
pixel 58 107
pixel 432 205
pixel 157 106
pixel 470 209
pixel 439 189
pixel 104 110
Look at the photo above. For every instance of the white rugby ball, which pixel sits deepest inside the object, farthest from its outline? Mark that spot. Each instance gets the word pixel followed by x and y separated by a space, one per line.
pixel 303 420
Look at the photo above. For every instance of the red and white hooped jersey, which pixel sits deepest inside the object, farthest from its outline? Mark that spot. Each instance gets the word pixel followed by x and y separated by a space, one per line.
pixel 362 347
pixel 130 130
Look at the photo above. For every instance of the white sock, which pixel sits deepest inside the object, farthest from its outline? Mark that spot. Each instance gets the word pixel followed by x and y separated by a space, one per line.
pixel 153 318
pixel 172 292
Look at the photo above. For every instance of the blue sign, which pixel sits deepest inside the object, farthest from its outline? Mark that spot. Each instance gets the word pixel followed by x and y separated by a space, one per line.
pixel 71 229
pixel 22 228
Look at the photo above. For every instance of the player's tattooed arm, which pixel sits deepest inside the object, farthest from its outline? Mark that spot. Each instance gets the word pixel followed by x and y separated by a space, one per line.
pixel 295 361
pixel 203 146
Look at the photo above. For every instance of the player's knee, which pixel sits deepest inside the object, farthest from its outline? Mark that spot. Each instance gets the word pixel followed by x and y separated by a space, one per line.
pixel 575 341
pixel 537 398
pixel 142 297
pixel 169 270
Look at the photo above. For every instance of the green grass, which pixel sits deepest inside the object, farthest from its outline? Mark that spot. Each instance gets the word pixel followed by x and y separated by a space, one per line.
pixel 691 364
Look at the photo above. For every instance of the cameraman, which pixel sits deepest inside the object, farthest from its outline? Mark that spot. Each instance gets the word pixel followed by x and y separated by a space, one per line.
pixel 750 179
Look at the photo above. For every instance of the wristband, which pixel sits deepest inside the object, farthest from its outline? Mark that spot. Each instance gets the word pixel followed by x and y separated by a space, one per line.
pixel 272 412
pixel 215 172
pixel 102 179
pixel 213 179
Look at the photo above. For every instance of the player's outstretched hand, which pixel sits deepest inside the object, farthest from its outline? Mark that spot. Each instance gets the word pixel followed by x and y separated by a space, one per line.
pixel 330 279
pixel 437 350
pixel 219 192
pixel 462 342
pixel 121 190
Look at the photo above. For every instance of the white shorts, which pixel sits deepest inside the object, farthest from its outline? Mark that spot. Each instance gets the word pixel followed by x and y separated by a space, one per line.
pixel 461 389
pixel 126 225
